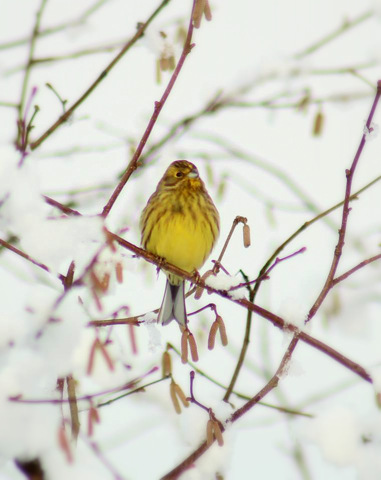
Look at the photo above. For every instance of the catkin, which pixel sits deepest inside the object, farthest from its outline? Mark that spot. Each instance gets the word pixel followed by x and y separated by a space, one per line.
pixel 104 283
pixel 207 11
pixel 119 272
pixel 166 363
pixel 174 398
pixel 197 12
pixel 181 395
pixel 222 328
pixel 218 433
pixel 184 346
pixel 318 124
pixel 246 236
pixel 209 433
pixel 193 347
pixel 212 335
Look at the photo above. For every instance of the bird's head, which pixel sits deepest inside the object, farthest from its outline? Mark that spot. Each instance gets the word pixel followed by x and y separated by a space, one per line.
pixel 181 173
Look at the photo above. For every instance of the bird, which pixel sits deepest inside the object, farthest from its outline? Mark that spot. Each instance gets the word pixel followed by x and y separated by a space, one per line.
pixel 180 224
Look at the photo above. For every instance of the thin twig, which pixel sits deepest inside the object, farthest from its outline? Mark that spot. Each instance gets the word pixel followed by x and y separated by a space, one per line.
pixel 137 390
pixel 60 206
pixel 245 346
pixel 192 397
pixel 355 269
pixel 22 254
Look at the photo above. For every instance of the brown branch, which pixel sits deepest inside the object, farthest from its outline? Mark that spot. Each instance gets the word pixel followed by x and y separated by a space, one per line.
pixel 60 206
pixel 274 319
pixel 340 244
pixel 132 166
pixel 23 255
pixel 142 28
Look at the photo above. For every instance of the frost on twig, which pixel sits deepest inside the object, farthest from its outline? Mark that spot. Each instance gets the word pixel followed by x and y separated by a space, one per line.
pixel 372 132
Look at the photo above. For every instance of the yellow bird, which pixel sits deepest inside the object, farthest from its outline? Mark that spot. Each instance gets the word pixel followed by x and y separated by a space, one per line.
pixel 180 224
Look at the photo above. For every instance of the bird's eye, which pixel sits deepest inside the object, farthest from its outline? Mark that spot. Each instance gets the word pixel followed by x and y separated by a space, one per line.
pixel 179 174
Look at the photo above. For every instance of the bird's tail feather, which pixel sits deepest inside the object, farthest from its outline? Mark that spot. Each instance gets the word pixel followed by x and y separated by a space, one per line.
pixel 173 306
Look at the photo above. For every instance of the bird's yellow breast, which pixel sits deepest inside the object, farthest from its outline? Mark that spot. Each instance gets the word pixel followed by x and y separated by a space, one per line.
pixel 182 239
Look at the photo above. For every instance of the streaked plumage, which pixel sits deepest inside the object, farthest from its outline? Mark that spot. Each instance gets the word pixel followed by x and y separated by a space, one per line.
pixel 180 224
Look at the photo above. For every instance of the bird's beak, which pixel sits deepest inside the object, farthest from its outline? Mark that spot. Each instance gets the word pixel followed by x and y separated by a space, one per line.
pixel 193 173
